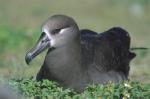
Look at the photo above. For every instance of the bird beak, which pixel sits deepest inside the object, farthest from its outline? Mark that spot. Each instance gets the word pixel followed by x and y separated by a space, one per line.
pixel 40 46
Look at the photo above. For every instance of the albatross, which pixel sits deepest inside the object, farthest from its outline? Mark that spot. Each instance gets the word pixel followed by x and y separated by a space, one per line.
pixel 76 58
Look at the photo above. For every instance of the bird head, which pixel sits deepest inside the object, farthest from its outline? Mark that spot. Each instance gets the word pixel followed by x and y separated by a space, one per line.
pixel 57 31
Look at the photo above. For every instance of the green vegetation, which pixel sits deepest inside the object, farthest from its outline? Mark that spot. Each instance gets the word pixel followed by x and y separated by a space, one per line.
pixel 50 90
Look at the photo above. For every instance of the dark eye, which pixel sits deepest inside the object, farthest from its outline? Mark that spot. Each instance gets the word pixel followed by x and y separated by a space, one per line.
pixel 56 31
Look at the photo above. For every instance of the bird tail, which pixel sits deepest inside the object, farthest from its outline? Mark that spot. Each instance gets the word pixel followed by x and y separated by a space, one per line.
pixel 138 48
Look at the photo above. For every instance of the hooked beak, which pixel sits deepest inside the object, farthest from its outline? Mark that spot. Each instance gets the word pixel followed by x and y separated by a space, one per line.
pixel 41 45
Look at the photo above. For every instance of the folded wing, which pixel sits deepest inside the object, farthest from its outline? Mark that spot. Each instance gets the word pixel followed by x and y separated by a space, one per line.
pixel 108 50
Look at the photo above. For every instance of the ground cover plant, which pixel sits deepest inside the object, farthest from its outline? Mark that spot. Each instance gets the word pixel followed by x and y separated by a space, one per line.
pixel 46 89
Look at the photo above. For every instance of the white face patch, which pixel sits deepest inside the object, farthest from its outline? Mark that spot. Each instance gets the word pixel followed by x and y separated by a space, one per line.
pixel 46 31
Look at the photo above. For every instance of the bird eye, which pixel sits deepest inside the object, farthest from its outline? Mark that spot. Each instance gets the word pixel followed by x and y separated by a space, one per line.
pixel 56 31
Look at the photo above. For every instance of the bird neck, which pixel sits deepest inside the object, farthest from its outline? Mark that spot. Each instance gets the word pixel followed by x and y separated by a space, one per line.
pixel 65 62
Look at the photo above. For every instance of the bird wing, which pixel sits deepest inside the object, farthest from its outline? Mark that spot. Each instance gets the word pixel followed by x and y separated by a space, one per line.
pixel 87 46
pixel 108 50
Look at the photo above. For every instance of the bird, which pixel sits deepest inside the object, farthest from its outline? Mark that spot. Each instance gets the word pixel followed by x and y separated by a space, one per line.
pixel 79 57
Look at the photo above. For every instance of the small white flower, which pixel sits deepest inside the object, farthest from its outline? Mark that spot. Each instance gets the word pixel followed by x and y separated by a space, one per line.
pixel 127 85
pixel 127 95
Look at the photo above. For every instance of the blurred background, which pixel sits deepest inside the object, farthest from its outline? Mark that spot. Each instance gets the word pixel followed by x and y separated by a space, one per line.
pixel 21 20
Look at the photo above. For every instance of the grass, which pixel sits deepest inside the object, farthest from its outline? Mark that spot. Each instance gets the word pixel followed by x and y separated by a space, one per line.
pixel 20 22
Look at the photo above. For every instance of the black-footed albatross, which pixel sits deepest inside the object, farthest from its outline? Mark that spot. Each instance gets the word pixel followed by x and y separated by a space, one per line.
pixel 76 57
